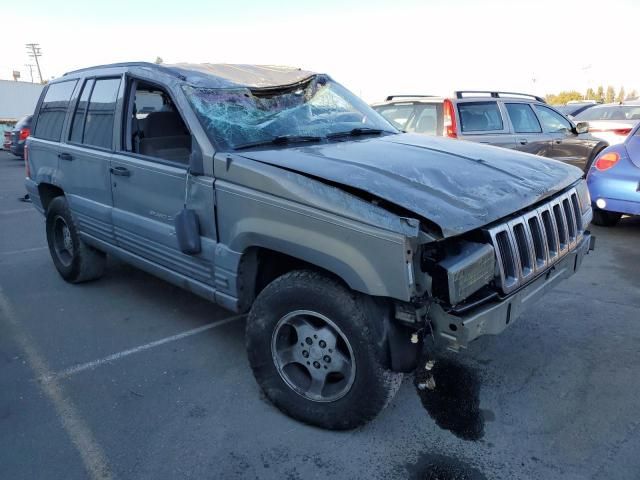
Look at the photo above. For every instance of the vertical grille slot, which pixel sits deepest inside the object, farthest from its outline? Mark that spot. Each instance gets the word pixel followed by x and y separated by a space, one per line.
pixel 524 249
pixel 507 257
pixel 577 212
pixel 571 221
pixel 550 232
pixel 537 237
pixel 561 226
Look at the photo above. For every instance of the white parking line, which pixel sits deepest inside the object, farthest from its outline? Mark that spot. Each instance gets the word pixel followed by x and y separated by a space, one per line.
pixel 67 372
pixel 24 250
pixel 92 455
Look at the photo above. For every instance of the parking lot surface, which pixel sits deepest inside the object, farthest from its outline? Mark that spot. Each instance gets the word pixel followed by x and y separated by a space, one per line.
pixel 129 377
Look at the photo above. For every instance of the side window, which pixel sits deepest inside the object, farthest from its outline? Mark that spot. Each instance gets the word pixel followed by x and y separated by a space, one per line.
pixel 523 118
pixel 77 125
pixel 552 121
pixel 156 128
pixel 53 110
pixel 398 115
pixel 426 120
pixel 93 119
pixel 480 117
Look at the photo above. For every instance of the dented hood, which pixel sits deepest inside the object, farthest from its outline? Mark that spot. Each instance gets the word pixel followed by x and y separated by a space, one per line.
pixel 458 185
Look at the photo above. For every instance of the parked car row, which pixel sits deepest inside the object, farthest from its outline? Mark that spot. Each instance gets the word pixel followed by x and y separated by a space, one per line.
pixel 577 133
pixel 511 120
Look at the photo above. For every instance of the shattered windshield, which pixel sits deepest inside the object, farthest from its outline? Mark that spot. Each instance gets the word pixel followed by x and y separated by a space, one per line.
pixel 319 107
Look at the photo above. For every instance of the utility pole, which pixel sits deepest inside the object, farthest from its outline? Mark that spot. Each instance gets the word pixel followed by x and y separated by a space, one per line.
pixel 34 51
pixel 30 66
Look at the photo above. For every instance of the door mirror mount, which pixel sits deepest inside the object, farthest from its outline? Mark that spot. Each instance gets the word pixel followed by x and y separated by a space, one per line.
pixel 196 161
pixel 582 127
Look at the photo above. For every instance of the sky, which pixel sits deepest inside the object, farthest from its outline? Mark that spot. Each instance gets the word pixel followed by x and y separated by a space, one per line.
pixel 374 48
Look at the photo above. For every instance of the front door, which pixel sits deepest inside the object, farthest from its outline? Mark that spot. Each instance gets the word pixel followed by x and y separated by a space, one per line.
pixel 149 177
pixel 566 146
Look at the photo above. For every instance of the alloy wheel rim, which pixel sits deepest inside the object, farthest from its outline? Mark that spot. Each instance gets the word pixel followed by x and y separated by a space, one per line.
pixel 313 356
pixel 62 241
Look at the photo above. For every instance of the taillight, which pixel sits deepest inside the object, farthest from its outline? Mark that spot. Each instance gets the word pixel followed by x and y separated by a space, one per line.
pixel 27 170
pixel 24 133
pixel 450 129
pixel 606 161
pixel 622 131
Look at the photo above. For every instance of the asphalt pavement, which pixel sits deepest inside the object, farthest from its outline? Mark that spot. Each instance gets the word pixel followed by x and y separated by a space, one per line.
pixel 130 377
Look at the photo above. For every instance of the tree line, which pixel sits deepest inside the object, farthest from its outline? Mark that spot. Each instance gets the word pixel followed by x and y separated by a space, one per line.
pixel 599 94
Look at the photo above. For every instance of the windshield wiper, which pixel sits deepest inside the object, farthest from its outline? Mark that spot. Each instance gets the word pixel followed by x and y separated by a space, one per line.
pixel 356 132
pixel 280 140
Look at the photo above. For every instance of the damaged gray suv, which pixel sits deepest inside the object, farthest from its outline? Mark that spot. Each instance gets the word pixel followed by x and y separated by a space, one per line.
pixel 277 192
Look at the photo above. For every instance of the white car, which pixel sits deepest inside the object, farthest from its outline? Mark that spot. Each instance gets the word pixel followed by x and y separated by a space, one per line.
pixel 611 122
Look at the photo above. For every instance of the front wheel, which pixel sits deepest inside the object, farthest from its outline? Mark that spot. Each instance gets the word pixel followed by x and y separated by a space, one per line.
pixel 315 353
pixel 605 219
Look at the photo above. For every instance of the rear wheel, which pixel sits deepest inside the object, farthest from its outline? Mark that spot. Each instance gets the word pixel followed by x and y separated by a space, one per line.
pixel 315 354
pixel 605 219
pixel 75 260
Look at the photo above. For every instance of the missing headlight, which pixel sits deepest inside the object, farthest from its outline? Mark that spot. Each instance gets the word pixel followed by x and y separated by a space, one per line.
pixel 464 272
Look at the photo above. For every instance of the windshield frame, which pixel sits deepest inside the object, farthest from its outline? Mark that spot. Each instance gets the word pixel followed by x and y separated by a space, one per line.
pixel 221 141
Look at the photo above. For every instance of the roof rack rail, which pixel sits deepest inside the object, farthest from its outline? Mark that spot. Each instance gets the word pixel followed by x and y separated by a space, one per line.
pixel 164 68
pixel 494 94
pixel 391 97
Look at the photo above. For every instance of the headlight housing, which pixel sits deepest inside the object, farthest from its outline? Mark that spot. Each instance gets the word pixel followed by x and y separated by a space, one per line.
pixel 458 276
pixel 583 196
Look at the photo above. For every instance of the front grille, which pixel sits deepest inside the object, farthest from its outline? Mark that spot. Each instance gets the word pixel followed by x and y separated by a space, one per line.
pixel 530 243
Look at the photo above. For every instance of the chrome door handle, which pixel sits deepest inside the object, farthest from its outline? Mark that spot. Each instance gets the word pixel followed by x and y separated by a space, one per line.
pixel 523 141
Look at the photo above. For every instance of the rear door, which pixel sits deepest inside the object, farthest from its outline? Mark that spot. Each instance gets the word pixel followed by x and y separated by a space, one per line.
pixel 529 136
pixel 484 122
pixel 567 146
pixel 85 157
pixel 149 178
pixel 44 145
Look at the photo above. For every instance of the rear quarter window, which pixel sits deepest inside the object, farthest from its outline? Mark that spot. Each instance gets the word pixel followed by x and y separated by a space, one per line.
pixel 480 117
pixel 53 110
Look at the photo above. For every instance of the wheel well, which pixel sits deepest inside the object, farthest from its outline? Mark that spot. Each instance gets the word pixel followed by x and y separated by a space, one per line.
pixel 47 193
pixel 260 266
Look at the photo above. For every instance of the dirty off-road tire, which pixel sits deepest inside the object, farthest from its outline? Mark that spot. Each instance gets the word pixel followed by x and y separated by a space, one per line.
pixel 75 261
pixel 604 218
pixel 315 354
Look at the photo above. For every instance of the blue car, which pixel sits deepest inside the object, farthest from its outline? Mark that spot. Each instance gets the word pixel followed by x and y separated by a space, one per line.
pixel 614 181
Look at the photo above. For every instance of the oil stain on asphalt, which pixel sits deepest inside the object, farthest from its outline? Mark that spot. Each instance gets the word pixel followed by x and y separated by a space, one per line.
pixel 450 392
pixel 440 467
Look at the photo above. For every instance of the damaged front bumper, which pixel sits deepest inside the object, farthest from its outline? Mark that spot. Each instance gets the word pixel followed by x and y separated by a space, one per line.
pixel 459 330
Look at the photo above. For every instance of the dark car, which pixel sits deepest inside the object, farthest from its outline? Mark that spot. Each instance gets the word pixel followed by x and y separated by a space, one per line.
pixel 511 120
pixel 572 109
pixel 18 136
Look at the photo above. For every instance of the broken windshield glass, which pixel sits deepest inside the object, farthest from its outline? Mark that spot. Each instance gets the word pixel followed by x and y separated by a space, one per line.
pixel 319 107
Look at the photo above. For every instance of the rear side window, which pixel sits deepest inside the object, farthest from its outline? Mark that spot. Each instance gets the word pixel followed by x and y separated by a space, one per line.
pixel 53 110
pixel 398 115
pixel 523 118
pixel 426 120
pixel 95 113
pixel 480 117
